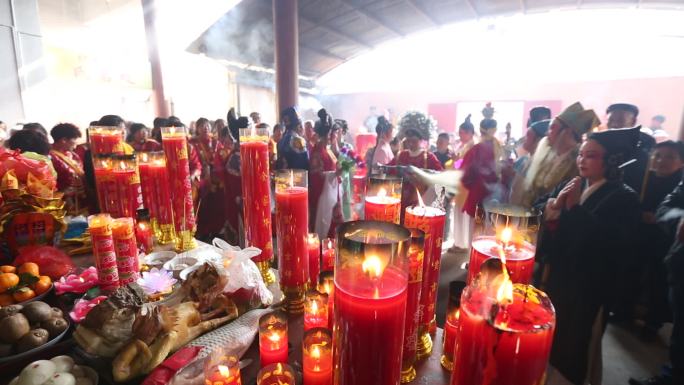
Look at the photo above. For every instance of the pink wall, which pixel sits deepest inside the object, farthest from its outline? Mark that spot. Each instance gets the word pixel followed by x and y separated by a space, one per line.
pixel 653 96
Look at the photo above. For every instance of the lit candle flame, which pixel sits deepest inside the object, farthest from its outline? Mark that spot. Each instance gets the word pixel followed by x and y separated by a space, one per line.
pixel 311 239
pixel 143 157
pixel 505 292
pixel 274 337
pixel 142 226
pixel 330 245
pixel 506 235
pixel 291 178
pixel 420 199
pixel 122 165
pixel 315 352
pixel 382 192
pixel 223 371
pixel 372 266
pixel 278 369
pixel 314 307
pixel 172 130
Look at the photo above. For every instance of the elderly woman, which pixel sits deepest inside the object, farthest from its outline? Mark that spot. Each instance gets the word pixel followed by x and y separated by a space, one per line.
pixel 589 224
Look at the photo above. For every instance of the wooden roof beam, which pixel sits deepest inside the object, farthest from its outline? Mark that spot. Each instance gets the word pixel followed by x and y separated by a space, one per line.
pixel 375 19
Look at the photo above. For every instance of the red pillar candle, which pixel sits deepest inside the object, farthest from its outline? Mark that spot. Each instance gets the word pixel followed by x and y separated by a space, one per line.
pixel 143 231
pixel 273 338
pixel 317 357
pixel 292 224
pixel 107 190
pixel 160 184
pixel 431 221
pixel 506 232
pixel 314 245
pixel 147 184
pixel 127 180
pixel 105 140
pixel 415 262
pixel 383 199
pixel 371 278
pixel 100 228
pixel 175 146
pixel 326 286
pixel 315 310
pixel 519 257
pixel 222 369
pixel 256 191
pixel 328 255
pixel 276 374
pixel 126 249
pixel 503 342
pixel 451 324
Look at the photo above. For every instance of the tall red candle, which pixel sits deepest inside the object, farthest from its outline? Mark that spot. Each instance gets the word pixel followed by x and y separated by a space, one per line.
pixel 415 262
pixel 100 229
pixel 506 343
pixel 317 357
pixel 143 231
pixel 371 278
pixel 273 338
pixel 431 221
pixel 160 176
pixel 256 191
pixel 326 285
pixel 519 257
pixel 314 245
pixel 127 181
pixel 292 224
pixel 107 190
pixel 175 146
pixel 126 249
pixel 147 184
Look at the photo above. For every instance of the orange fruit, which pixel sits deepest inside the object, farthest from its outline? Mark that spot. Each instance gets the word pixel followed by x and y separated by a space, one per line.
pixel 8 269
pixel 23 294
pixel 7 281
pixel 30 268
pixel 6 299
pixel 42 285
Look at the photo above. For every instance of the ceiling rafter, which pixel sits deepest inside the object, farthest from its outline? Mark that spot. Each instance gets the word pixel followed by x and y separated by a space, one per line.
pixel 375 19
pixel 321 52
pixel 421 10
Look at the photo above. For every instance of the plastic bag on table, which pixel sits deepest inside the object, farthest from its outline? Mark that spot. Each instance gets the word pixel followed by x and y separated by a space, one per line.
pixel 51 261
pixel 22 165
pixel 242 272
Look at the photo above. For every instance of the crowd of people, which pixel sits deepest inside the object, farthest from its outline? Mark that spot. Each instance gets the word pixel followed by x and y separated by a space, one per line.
pixel 610 248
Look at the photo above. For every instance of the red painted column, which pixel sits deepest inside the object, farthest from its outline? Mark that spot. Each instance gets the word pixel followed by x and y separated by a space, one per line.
pixel 286 38
pixel 161 107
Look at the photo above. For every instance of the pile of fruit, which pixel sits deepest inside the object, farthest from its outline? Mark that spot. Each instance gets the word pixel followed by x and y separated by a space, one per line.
pixel 20 284
pixel 26 327
pixel 59 370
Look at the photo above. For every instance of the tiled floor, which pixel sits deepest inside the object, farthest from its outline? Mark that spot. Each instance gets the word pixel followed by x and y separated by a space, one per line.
pixel 624 353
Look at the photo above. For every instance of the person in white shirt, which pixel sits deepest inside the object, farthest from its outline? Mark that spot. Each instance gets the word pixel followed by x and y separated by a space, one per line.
pixel 382 153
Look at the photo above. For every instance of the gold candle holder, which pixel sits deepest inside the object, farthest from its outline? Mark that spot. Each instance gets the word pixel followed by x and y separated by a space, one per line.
pixel 266 271
pixel 167 234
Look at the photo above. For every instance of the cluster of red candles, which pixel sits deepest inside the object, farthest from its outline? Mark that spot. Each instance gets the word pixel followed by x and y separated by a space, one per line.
pixel 118 184
pixel 115 250
pixel 154 180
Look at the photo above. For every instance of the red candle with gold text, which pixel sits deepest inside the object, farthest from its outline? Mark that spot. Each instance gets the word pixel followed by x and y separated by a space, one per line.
pixel 371 278
pixel 100 229
pixel 126 249
pixel 221 368
pixel 383 199
pixel 328 255
pixel 317 357
pixel 161 190
pixel 256 190
pixel 504 345
pixel 273 338
pixel 431 221
pixel 315 310
pixel 107 190
pixel 147 184
pixel 175 146
pixel 127 181
pixel 314 245
pixel 105 140
pixel 292 225
pixel 415 261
